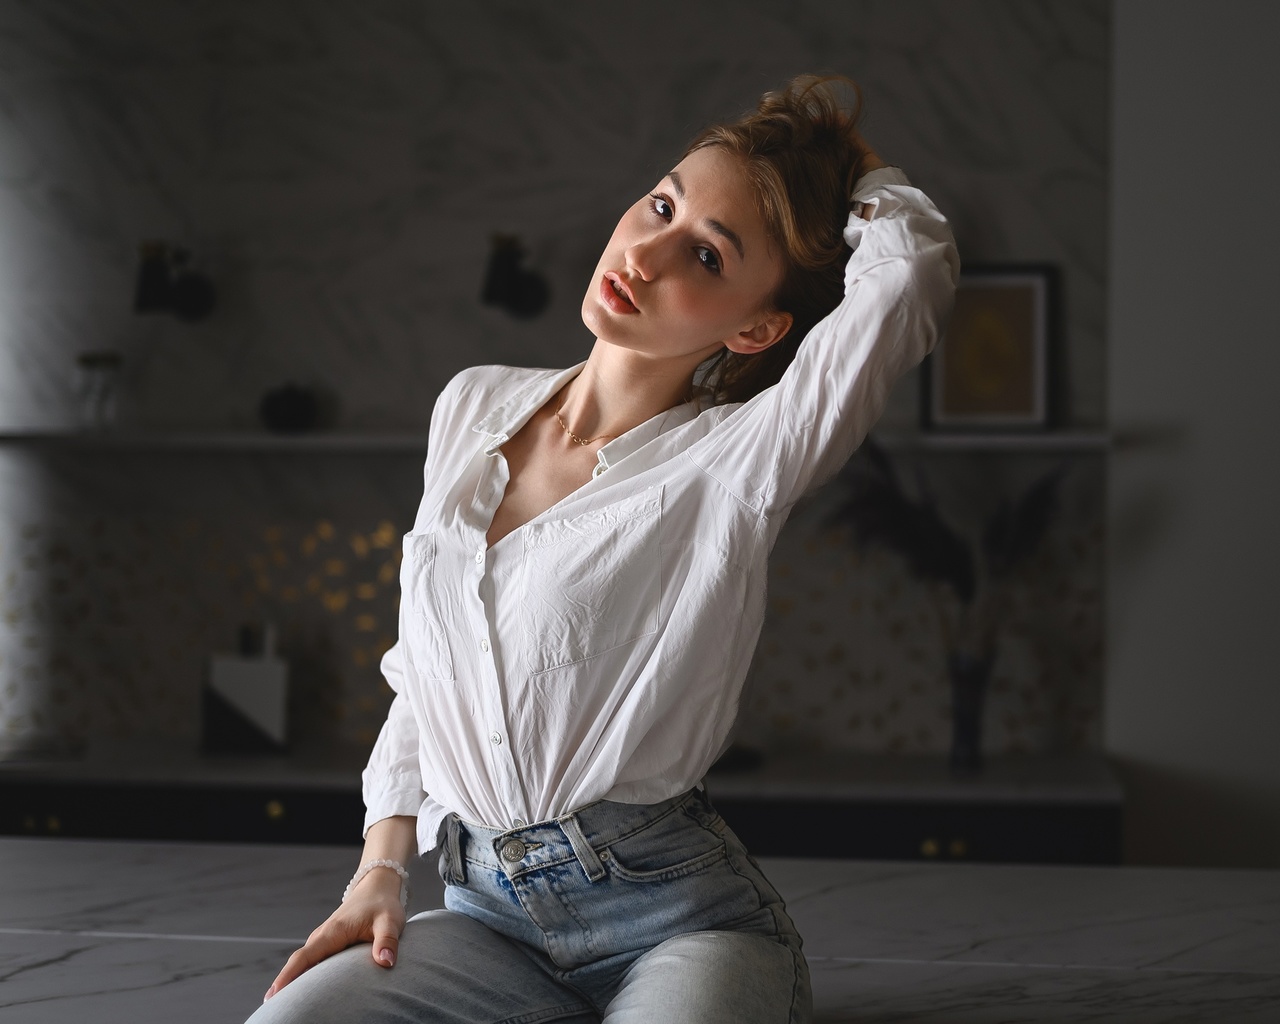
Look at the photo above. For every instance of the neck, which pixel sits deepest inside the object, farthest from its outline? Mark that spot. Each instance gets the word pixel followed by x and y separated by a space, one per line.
pixel 618 390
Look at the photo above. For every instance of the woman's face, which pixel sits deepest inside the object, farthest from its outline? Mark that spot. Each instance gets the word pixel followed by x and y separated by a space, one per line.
pixel 689 268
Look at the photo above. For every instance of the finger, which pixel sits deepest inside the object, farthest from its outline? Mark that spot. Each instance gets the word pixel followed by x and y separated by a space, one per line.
pixel 386 941
pixel 319 947
pixel 294 967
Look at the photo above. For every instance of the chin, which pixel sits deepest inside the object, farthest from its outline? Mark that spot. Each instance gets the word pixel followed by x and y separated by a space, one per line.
pixel 594 319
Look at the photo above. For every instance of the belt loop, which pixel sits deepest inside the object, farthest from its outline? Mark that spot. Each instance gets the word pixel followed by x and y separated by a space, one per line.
pixel 455 872
pixel 582 849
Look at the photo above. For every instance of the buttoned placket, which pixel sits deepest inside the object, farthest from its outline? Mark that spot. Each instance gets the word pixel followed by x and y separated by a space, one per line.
pixel 485 570
pixel 478 596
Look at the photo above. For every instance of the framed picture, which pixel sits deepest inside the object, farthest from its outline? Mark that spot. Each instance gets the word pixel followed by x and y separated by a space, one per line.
pixel 991 370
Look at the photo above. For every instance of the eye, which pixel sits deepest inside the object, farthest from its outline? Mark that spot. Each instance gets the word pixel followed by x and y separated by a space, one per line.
pixel 708 258
pixel 660 206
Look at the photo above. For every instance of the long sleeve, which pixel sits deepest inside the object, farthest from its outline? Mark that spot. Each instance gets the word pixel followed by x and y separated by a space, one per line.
pixel 899 288
pixel 392 780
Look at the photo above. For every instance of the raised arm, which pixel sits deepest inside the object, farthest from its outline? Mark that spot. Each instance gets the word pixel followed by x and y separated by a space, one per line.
pixel 899 287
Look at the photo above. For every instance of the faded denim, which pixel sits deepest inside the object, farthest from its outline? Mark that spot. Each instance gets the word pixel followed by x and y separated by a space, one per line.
pixel 622 913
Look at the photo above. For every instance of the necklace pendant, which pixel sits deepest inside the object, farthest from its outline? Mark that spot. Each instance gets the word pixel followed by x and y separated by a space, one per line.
pixel 574 437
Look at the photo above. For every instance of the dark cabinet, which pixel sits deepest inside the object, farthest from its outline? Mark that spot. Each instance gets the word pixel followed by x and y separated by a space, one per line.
pixel 1008 832
pixel 121 810
pixel 1029 810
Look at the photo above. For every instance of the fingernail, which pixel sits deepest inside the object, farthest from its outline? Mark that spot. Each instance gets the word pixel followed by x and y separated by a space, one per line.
pixel 270 992
pixel 387 957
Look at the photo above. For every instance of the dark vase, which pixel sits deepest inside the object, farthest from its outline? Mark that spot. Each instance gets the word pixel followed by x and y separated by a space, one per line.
pixel 969 674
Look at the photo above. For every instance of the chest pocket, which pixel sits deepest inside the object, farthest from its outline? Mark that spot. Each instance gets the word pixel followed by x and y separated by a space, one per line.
pixel 592 583
pixel 423 629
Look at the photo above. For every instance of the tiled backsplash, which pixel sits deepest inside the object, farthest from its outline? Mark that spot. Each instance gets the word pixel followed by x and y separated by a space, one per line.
pixel 107 613
pixel 852 654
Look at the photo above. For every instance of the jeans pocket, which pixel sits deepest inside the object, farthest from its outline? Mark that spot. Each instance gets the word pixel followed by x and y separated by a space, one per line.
pixel 692 866
pixel 672 876
pixel 674 846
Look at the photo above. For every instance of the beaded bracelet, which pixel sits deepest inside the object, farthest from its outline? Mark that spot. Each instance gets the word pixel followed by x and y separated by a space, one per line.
pixel 394 865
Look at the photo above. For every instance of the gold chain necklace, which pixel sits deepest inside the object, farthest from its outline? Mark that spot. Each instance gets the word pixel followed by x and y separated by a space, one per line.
pixel 574 437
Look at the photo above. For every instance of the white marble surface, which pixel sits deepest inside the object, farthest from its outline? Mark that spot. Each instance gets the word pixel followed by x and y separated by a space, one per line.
pixel 127 932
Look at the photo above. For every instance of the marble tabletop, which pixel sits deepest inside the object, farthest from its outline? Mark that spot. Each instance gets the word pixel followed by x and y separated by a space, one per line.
pixel 108 932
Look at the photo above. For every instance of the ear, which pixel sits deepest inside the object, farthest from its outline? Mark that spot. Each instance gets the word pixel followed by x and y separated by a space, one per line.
pixel 771 328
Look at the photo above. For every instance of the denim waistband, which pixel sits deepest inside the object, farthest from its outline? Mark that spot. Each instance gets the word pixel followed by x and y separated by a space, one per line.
pixel 574 836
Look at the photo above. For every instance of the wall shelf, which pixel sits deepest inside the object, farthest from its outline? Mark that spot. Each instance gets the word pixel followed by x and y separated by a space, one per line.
pixel 415 442
pixel 338 442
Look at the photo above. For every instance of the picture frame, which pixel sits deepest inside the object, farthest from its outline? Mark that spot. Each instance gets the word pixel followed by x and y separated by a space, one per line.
pixel 992 370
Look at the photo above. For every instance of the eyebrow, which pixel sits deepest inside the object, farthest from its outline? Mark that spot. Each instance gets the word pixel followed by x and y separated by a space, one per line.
pixel 719 228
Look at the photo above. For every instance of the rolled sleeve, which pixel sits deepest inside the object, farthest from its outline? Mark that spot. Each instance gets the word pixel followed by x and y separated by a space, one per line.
pixel 899 288
pixel 392 780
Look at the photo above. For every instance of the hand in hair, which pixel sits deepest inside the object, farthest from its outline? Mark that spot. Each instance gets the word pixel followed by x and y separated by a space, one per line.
pixel 870 158
pixel 869 161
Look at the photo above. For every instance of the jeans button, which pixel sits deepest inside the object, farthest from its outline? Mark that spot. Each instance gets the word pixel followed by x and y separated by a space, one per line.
pixel 513 850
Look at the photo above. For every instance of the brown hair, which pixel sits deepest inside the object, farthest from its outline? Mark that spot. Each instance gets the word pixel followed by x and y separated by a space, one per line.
pixel 802 155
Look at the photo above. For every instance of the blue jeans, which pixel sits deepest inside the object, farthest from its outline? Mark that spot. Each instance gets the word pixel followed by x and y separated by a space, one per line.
pixel 622 913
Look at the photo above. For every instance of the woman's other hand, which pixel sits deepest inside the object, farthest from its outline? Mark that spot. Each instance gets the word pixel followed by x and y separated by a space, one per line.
pixel 869 161
pixel 372 913
pixel 870 158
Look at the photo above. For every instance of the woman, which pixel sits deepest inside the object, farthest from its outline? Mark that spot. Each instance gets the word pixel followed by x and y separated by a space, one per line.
pixel 584 586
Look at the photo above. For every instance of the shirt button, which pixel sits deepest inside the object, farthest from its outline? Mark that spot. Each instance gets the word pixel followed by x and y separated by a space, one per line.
pixel 513 850
pixel 495 739
pixel 484 646
pixel 518 823
pixel 480 557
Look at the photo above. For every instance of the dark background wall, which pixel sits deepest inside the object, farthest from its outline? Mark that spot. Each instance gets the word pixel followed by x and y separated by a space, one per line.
pixel 338 169
pixel 1193 692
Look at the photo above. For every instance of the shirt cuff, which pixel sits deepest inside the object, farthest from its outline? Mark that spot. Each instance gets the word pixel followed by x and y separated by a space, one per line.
pixel 874 179
pixel 390 796
pixel 871 200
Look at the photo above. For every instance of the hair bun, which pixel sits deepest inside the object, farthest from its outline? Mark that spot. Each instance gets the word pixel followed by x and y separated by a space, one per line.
pixel 802 154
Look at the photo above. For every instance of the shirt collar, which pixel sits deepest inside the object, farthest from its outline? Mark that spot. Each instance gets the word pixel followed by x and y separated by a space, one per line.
pixel 639 436
pixel 512 414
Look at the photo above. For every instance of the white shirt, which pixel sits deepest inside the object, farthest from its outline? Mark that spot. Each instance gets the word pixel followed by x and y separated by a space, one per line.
pixel 599 650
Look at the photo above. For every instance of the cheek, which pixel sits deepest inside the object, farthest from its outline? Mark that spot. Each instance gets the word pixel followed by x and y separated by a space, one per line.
pixel 629 226
pixel 714 308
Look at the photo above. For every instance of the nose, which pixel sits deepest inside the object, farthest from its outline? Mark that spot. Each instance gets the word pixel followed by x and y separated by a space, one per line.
pixel 645 257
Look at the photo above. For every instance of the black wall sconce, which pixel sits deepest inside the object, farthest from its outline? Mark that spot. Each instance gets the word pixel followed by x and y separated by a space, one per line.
pixel 521 292
pixel 165 284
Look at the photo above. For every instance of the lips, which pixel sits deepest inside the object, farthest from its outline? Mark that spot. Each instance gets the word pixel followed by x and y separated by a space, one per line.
pixel 616 295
